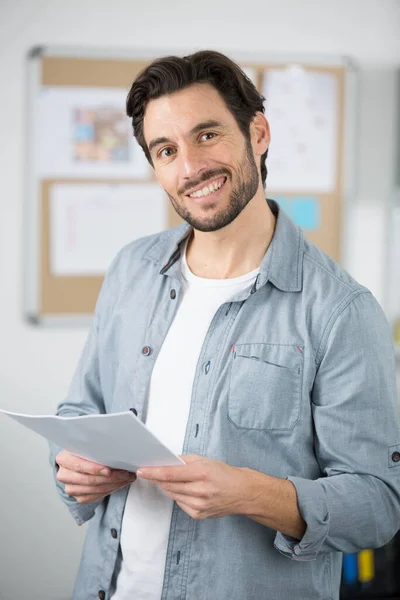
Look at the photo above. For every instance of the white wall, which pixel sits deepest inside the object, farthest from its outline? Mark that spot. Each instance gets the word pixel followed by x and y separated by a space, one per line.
pixel 39 542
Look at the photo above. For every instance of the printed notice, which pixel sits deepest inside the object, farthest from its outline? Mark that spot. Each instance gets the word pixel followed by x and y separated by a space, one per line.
pixel 302 109
pixel 85 132
pixel 90 223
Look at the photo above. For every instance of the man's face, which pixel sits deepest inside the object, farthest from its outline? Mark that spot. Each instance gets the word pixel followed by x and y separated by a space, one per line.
pixel 200 156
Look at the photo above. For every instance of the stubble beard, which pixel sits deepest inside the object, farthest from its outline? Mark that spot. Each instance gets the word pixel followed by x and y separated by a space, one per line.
pixel 238 200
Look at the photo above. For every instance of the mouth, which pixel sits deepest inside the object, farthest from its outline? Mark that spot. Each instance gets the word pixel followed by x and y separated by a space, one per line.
pixel 208 190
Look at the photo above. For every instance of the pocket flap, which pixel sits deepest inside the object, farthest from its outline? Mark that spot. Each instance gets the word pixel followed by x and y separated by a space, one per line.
pixel 278 355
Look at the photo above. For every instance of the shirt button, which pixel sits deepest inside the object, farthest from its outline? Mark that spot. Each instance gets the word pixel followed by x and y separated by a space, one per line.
pixel 173 294
pixel 114 533
pixel 146 350
pixel 102 594
pixel 396 456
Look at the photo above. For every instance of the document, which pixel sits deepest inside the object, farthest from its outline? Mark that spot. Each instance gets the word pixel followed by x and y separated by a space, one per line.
pixel 91 222
pixel 84 132
pixel 302 107
pixel 117 440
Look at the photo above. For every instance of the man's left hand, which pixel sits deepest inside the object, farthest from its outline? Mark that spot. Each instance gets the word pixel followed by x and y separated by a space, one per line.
pixel 203 487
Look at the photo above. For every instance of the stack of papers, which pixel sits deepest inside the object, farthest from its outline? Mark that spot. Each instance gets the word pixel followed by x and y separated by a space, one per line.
pixel 116 440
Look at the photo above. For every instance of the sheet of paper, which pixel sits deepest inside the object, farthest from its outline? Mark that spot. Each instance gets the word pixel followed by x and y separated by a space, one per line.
pixel 117 440
pixel 302 109
pixel 90 223
pixel 85 132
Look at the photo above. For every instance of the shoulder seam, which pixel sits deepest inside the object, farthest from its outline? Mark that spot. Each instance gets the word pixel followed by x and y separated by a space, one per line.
pixel 321 266
pixel 333 318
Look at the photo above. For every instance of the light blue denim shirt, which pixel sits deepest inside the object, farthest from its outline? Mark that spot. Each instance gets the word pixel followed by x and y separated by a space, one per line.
pixel 295 379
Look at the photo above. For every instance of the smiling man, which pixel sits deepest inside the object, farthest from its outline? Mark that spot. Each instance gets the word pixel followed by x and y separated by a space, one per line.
pixel 246 350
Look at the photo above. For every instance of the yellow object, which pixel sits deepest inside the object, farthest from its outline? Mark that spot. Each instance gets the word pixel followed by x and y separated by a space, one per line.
pixel 396 331
pixel 366 565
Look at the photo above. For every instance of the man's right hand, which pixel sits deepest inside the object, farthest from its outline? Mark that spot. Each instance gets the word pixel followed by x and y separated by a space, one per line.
pixel 87 481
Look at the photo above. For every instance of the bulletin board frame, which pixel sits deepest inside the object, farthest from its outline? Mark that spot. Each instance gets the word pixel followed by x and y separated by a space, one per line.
pixel 51 300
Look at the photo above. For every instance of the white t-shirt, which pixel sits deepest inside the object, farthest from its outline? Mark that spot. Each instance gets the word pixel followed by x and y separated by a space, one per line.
pixel 148 509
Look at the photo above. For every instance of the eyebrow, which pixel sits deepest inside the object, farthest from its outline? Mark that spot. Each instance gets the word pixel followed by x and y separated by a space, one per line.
pixel 196 129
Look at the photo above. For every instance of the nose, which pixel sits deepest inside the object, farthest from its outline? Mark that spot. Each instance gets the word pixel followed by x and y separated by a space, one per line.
pixel 192 163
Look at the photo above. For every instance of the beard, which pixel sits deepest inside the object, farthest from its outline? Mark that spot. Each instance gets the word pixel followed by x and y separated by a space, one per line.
pixel 238 200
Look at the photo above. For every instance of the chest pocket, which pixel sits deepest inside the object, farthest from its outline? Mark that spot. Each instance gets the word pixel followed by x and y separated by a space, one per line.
pixel 265 386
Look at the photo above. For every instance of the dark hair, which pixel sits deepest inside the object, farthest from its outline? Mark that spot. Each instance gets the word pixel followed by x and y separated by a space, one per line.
pixel 173 73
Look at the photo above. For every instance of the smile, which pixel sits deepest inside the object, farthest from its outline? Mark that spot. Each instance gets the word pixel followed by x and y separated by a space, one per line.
pixel 208 189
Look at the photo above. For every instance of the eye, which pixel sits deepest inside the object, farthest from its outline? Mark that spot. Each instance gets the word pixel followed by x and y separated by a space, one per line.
pixel 209 135
pixel 166 152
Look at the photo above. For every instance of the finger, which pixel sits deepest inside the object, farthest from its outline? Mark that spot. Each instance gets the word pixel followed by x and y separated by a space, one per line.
pixel 190 458
pixel 183 473
pixel 90 498
pixel 195 489
pixel 192 512
pixel 190 501
pixel 81 465
pixel 82 490
pixel 68 476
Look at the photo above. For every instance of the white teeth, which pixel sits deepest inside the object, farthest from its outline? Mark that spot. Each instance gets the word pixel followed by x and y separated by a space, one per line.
pixel 207 190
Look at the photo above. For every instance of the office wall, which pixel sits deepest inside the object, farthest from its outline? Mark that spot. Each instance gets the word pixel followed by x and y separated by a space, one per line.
pixel 39 542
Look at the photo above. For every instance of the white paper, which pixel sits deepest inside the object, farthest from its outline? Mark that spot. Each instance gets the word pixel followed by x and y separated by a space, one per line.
pixel 117 440
pixel 302 109
pixel 90 223
pixel 85 132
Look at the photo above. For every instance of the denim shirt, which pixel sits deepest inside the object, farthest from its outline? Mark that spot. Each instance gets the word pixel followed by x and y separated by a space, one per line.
pixel 295 379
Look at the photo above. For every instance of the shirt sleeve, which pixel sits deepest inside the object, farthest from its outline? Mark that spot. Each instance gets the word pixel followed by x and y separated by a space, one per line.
pixel 84 397
pixel 355 504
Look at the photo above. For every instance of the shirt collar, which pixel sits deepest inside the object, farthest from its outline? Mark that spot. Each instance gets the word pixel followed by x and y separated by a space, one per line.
pixel 282 264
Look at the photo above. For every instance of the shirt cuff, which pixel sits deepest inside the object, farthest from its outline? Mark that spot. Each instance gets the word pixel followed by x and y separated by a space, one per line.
pixel 313 507
pixel 82 512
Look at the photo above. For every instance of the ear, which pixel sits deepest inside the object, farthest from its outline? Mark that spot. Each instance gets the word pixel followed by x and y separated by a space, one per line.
pixel 260 134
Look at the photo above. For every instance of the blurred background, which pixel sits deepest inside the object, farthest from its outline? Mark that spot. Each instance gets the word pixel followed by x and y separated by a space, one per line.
pixel 40 544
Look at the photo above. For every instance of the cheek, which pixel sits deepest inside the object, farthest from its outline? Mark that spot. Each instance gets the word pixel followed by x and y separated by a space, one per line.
pixel 167 179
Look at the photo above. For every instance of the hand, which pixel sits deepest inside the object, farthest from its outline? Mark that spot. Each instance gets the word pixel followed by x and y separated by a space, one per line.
pixel 202 488
pixel 88 481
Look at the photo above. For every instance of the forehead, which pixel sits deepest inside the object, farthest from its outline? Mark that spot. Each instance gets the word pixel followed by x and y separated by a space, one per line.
pixel 178 112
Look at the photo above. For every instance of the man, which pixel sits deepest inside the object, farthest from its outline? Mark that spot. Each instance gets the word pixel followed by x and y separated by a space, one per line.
pixel 246 350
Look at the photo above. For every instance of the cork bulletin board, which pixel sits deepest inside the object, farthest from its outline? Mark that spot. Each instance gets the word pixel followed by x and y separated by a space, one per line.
pixel 59 292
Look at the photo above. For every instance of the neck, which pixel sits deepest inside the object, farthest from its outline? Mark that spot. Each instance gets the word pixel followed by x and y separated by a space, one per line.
pixel 236 249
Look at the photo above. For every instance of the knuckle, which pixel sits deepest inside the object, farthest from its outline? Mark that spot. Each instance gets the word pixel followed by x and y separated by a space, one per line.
pixel 60 457
pixel 200 492
pixel 197 504
pixel 205 473
pixel 197 515
pixel 86 480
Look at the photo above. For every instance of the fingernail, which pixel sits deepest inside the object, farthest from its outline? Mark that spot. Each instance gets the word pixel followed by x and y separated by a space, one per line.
pixel 139 473
pixel 104 472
